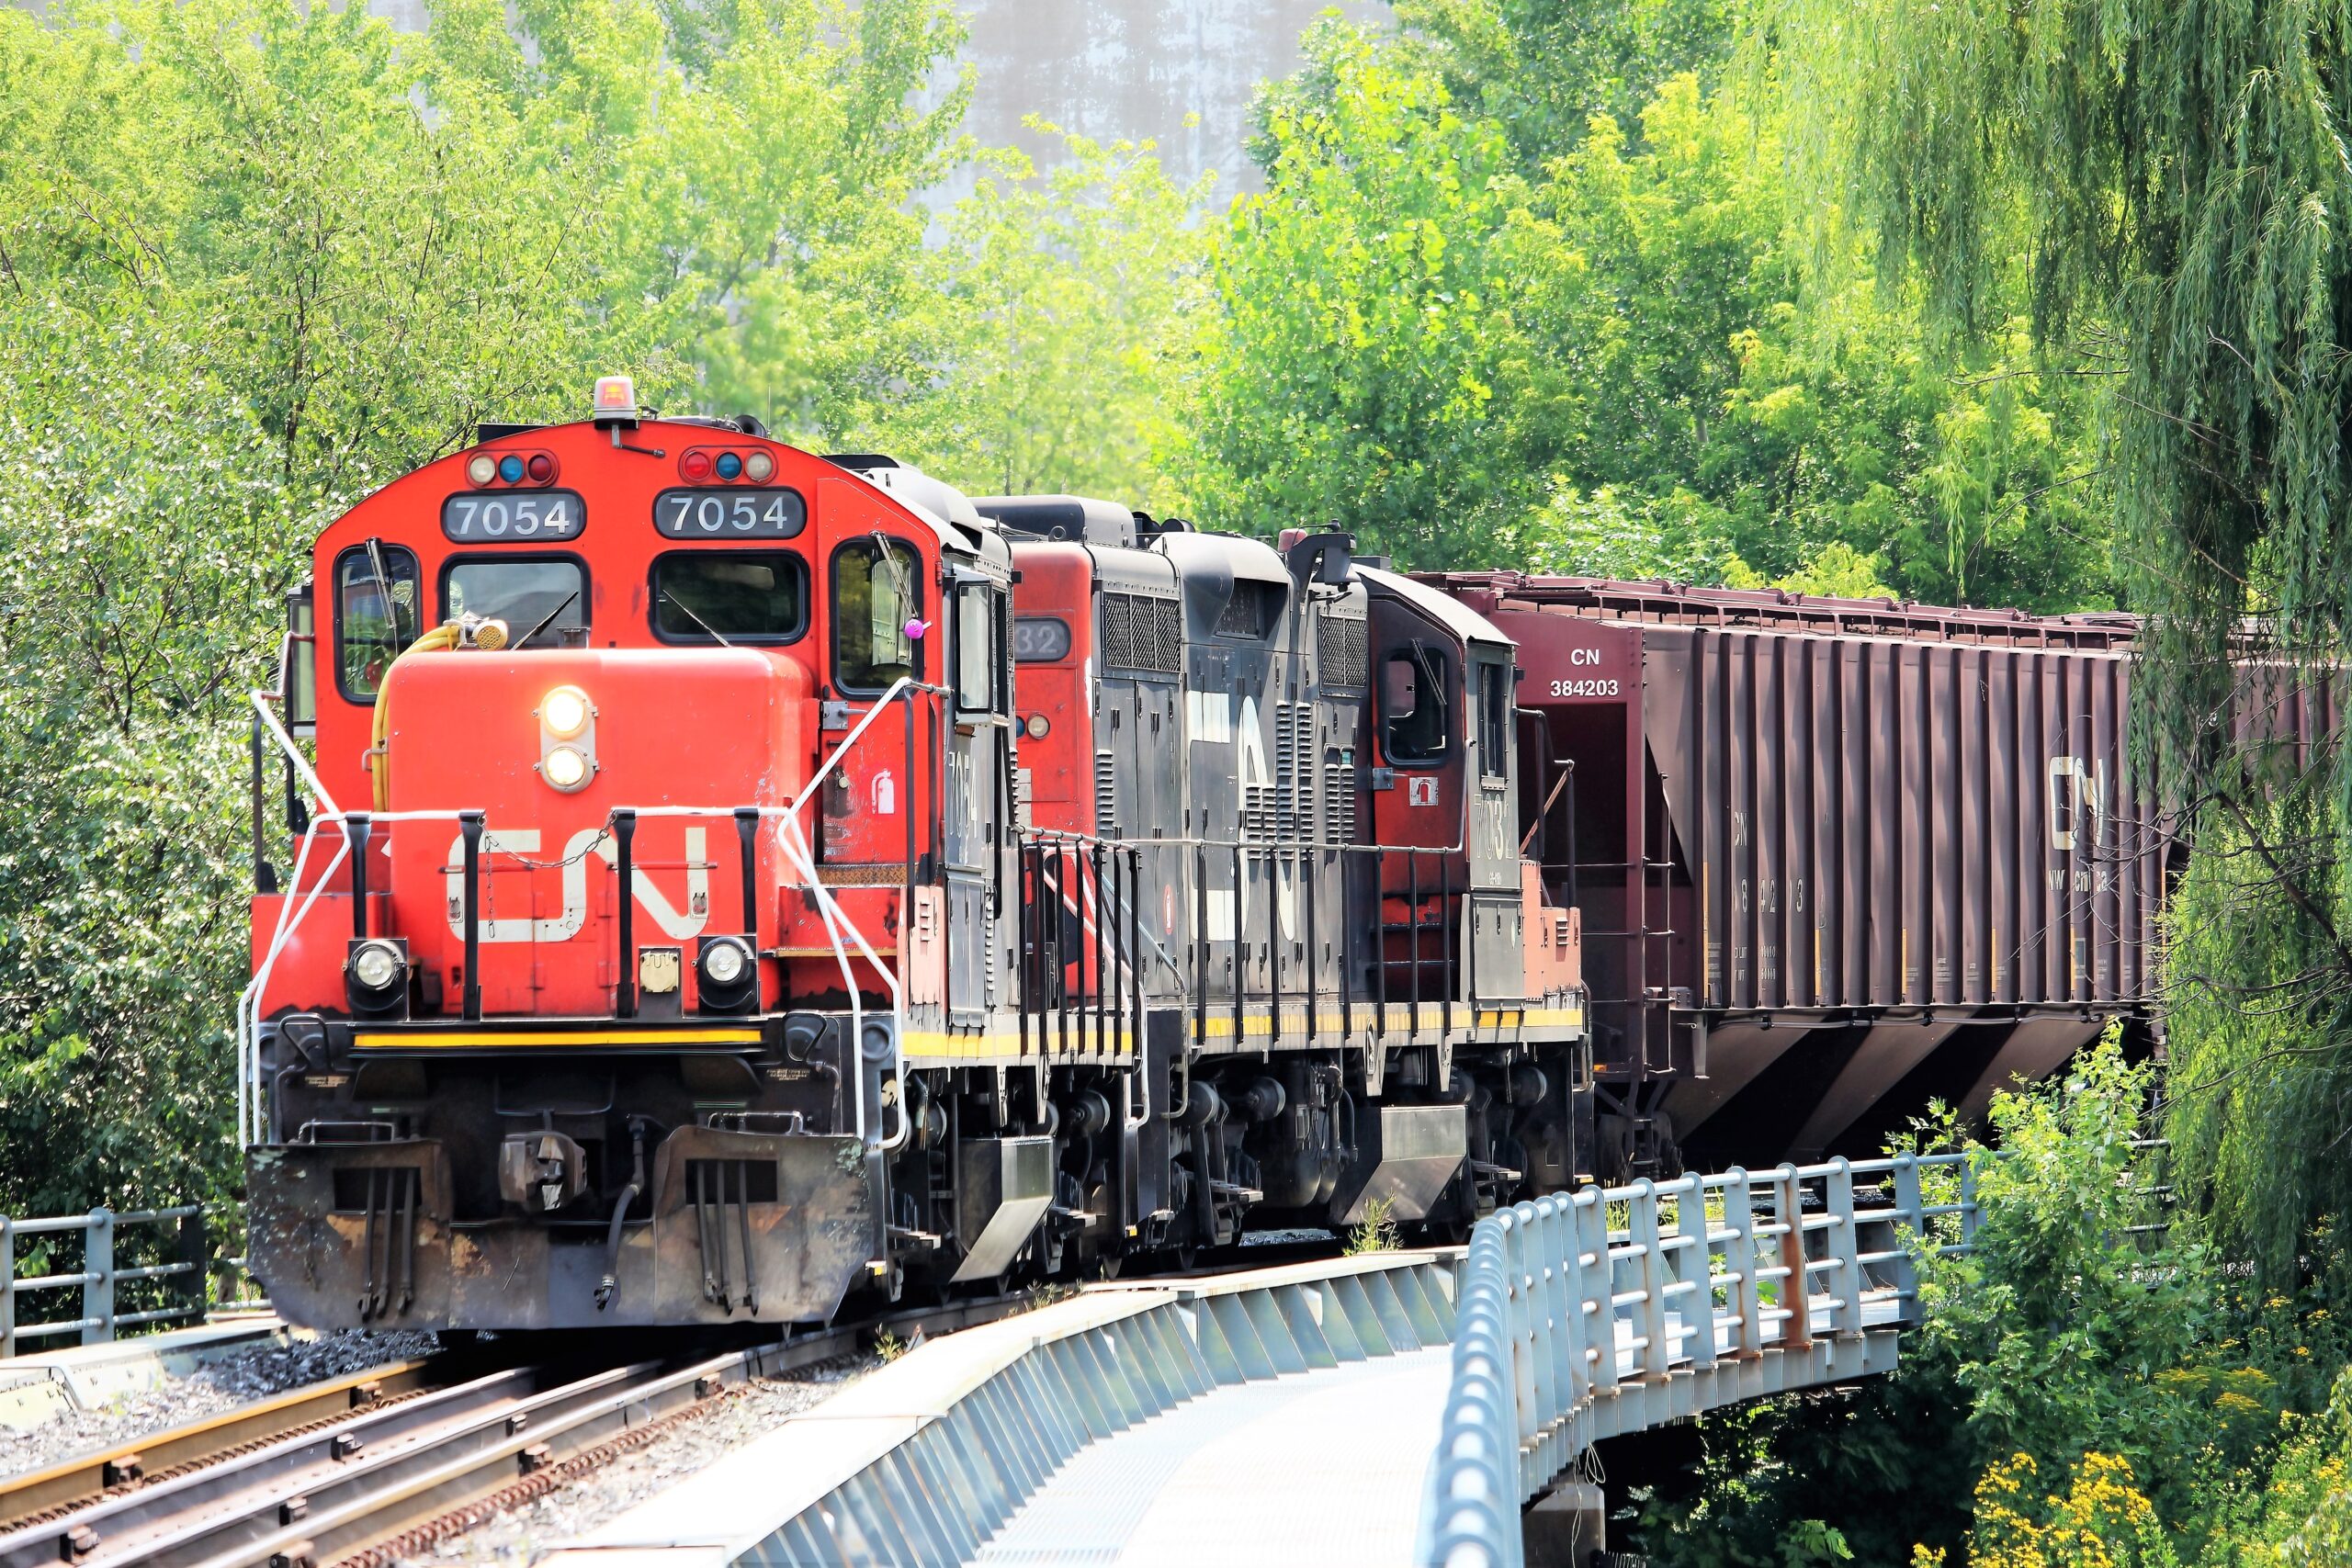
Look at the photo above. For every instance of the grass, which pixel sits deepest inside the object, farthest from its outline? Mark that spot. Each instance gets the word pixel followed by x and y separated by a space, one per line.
pixel 1376 1232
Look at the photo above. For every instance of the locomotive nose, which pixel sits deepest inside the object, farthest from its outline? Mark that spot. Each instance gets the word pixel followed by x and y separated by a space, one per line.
pixel 580 760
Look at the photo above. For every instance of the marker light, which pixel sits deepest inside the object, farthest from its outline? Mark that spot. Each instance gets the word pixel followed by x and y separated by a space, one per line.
pixel 1038 726
pixel 759 468
pixel 616 399
pixel 481 468
pixel 565 768
pixel 565 712
pixel 729 465
pixel 723 962
pixel 695 465
pixel 542 467
pixel 510 468
pixel 374 965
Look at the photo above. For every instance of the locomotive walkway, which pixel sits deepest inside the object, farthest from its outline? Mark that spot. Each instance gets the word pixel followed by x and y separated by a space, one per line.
pixel 1388 1408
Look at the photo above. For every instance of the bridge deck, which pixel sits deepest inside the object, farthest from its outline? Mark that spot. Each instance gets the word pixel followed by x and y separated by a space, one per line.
pixel 1332 1466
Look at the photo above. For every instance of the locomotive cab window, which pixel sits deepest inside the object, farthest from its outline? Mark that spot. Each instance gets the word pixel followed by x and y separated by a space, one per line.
pixel 877 589
pixel 1413 703
pixel 977 606
pixel 527 595
pixel 377 615
pixel 711 596
pixel 1494 720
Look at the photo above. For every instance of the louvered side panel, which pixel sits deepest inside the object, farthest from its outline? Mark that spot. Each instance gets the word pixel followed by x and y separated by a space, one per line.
pixel 1286 773
pixel 1339 798
pixel 1107 795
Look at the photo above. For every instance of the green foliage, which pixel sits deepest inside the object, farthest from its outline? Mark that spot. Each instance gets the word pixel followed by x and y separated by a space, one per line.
pixel 1610 360
pixel 1345 372
pixel 2079 1389
pixel 2262 1079
pixel 2157 189
pixel 2057 1324
pixel 1066 286
pixel 1546 72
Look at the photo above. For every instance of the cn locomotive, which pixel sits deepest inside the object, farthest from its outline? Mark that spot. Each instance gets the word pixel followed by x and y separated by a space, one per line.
pixel 719 879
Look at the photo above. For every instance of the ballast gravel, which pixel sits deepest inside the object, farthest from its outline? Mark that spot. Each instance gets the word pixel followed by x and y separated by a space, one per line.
pixel 523 1535
pixel 236 1376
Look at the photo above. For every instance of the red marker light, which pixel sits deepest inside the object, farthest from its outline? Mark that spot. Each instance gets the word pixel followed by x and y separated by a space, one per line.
pixel 696 466
pixel 542 467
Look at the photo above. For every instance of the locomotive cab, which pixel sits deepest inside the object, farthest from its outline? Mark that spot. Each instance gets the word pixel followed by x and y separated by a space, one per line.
pixel 641 834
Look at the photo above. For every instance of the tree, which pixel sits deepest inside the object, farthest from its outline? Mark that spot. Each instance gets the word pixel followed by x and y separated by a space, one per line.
pixel 1066 287
pixel 1347 367
pixel 1637 375
pixel 2162 184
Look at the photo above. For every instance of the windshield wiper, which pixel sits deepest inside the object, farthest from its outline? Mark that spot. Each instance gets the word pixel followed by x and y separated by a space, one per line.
pixel 568 599
pixel 671 598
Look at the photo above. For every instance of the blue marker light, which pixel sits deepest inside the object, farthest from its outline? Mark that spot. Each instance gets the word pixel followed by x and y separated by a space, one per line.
pixel 510 468
pixel 729 465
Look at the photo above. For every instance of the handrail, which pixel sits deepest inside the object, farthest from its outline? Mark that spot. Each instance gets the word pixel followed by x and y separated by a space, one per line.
pixel 1547 1285
pixel 791 840
pixel 100 1317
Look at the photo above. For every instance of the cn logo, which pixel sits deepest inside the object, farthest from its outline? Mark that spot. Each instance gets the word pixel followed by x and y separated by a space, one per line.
pixel 566 925
pixel 2078 801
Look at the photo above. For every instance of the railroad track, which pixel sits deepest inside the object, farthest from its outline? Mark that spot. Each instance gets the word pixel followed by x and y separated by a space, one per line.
pixel 297 1482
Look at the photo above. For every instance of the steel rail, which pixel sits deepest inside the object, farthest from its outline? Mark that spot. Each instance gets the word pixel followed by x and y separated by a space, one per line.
pixel 36 1496
pixel 337 1486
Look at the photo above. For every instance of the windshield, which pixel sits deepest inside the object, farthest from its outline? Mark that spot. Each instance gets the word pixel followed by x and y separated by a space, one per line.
pixel 522 594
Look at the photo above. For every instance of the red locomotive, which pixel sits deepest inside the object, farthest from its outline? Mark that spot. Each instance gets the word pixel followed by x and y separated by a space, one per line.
pixel 732 878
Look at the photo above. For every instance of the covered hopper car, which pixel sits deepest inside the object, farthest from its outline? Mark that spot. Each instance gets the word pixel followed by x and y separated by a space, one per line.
pixel 1835 857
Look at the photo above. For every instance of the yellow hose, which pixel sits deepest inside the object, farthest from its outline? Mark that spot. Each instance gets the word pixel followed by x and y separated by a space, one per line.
pixel 380 765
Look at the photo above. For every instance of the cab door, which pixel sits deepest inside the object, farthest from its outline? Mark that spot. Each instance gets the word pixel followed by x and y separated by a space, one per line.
pixel 977 804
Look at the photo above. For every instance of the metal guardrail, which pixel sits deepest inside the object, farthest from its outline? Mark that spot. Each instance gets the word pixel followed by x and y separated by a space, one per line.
pixel 1580 1313
pixel 100 1278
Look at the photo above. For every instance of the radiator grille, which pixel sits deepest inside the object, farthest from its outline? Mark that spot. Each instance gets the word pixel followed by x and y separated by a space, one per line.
pixel 1142 634
pixel 1341 649
pixel 1106 796
pixel 1286 802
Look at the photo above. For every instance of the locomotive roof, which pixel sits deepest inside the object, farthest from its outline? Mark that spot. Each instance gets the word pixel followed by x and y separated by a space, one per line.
pixel 1661 602
pixel 1222 559
pixel 1079 517
pixel 1449 612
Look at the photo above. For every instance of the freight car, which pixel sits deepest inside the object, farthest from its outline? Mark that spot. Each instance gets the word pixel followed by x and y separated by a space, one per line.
pixel 717 879
pixel 1836 857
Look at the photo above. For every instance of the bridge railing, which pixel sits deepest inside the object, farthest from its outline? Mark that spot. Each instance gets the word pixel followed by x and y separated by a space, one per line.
pixel 133 1268
pixel 1577 1305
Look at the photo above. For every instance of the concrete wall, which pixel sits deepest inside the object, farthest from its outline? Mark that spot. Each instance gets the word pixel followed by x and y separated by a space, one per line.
pixel 1114 70
pixel 1127 70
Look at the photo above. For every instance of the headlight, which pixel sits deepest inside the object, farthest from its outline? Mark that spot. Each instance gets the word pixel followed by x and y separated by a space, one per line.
pixel 723 962
pixel 376 966
pixel 565 712
pixel 564 768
